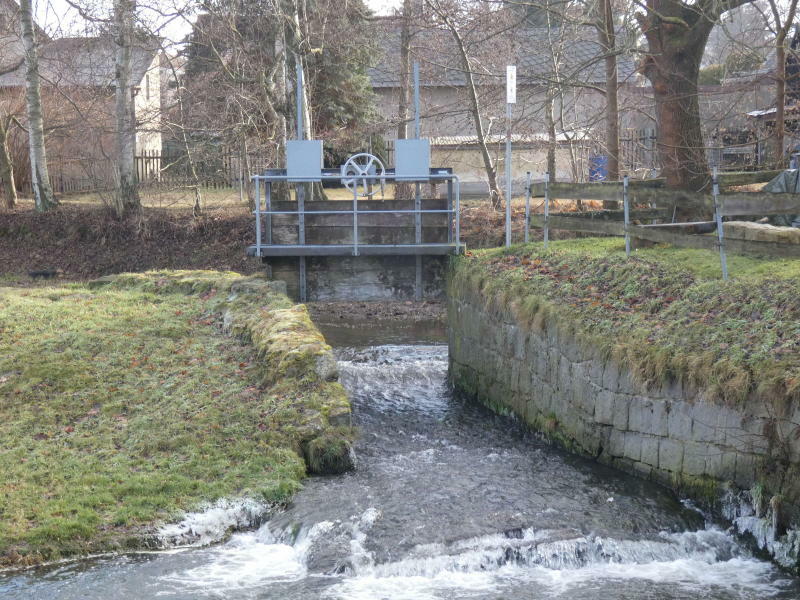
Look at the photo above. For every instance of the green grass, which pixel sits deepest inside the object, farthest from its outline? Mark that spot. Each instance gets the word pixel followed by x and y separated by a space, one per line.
pixel 665 313
pixel 125 405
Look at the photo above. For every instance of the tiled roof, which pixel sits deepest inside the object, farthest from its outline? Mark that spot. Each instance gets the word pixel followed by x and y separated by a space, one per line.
pixel 579 57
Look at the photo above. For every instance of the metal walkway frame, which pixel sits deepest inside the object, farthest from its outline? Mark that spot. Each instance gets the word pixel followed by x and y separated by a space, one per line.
pixel 264 246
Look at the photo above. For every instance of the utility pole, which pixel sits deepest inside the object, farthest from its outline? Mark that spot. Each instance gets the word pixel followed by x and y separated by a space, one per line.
pixel 511 98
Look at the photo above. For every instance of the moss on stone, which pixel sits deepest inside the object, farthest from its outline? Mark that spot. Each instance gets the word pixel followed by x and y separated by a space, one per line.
pixel 733 341
pixel 330 453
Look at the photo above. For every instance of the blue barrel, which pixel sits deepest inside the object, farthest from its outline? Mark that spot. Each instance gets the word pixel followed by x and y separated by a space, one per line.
pixel 598 167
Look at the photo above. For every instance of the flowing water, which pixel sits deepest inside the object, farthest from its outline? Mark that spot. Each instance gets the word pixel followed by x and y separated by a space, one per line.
pixel 449 501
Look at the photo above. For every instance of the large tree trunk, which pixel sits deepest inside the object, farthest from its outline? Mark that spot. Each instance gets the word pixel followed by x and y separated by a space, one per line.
pixel 673 67
pixel 475 109
pixel 676 35
pixel 609 43
pixel 782 31
pixel 40 177
pixel 126 196
pixel 7 166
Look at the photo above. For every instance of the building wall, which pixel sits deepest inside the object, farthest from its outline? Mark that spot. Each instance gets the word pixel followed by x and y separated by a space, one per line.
pixel 147 104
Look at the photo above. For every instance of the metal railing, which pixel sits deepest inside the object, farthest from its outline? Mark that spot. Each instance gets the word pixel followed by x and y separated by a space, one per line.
pixel 264 212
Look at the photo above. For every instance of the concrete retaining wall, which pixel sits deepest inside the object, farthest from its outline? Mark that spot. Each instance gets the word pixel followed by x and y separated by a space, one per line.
pixel 724 457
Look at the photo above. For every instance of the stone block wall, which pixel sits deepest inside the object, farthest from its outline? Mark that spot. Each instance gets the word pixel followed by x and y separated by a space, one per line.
pixel 590 404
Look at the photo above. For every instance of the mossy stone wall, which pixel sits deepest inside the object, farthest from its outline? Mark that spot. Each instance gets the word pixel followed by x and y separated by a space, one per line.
pixel 589 404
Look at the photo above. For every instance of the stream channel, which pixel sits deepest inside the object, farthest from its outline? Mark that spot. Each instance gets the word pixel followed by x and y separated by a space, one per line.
pixel 449 501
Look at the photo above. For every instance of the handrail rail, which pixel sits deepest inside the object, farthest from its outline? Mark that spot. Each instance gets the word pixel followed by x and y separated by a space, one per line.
pixel 440 175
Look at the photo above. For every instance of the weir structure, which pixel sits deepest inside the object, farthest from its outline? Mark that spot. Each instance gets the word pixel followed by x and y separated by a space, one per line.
pixel 361 247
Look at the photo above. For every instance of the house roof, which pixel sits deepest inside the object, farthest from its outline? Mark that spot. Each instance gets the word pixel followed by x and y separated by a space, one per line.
pixel 85 62
pixel 579 58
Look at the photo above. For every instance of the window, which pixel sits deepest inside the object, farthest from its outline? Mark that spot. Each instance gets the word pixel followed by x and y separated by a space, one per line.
pixel 147 87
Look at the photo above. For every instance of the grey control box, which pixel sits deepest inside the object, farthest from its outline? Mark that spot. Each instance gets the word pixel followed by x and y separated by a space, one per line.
pixel 412 159
pixel 304 160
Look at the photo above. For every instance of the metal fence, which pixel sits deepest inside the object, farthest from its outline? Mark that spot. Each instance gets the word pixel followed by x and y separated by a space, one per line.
pixel 648 201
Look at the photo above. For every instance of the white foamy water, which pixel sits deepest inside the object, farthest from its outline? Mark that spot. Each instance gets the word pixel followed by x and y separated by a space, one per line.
pixel 449 502
pixel 213 523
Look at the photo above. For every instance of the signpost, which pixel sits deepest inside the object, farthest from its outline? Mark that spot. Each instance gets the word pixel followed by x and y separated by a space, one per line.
pixel 511 98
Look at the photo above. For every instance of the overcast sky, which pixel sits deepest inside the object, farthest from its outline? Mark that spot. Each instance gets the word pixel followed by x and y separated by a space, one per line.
pixel 59 18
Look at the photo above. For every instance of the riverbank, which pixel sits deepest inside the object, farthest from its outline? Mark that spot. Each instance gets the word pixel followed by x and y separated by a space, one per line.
pixel 135 398
pixel 81 239
pixel 652 364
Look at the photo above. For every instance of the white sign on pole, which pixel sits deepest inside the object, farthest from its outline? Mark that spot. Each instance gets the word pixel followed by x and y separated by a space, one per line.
pixel 511 84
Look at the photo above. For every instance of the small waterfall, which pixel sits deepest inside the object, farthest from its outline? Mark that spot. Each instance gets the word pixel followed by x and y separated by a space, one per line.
pixel 450 502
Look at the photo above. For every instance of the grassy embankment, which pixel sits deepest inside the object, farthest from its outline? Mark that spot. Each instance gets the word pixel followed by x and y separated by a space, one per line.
pixel 122 403
pixel 665 313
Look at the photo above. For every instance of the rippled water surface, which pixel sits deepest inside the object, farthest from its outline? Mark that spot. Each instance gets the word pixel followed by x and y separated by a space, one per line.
pixel 449 501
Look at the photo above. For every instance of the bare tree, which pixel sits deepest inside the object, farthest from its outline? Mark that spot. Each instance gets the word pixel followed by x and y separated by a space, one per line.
pixel 446 14
pixel 40 178
pixel 126 196
pixel 782 27
pixel 6 163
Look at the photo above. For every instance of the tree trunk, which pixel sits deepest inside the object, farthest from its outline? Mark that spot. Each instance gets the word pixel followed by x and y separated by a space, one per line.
pixel 609 43
pixel 402 190
pixel 126 196
pixel 782 31
pixel 40 177
pixel 780 103
pixel 294 53
pixel 491 174
pixel 550 123
pixel 673 66
pixel 676 34
pixel 6 166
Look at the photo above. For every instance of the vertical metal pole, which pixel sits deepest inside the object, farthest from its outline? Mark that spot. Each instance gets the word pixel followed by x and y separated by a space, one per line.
pixel 418 195
pixel 258 218
pixel 718 218
pixel 301 238
pixel 626 209
pixel 299 98
pixel 418 240
pixel 508 174
pixel 527 206
pixel 458 215
pixel 268 202
pixel 450 208
pixel 546 209
pixel 355 220
pixel 416 101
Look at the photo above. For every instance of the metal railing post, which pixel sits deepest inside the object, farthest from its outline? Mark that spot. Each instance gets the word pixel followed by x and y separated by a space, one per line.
pixel 355 220
pixel 450 208
pixel 626 210
pixel 527 206
pixel 718 218
pixel 268 204
pixel 258 217
pixel 458 213
pixel 546 209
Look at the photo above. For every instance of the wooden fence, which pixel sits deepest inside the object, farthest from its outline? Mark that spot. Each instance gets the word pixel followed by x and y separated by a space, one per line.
pixel 153 169
pixel 648 200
